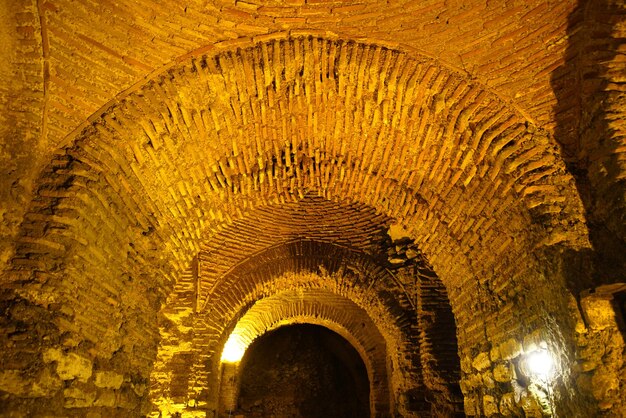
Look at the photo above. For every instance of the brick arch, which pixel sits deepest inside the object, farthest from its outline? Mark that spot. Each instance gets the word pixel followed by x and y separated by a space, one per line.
pixel 337 313
pixel 467 131
pixel 302 266
pixel 448 137
pixel 267 124
pixel 312 218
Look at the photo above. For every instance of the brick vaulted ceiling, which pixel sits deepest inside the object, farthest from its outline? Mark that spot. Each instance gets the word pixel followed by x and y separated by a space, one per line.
pixel 177 167
pixel 96 49
pixel 70 59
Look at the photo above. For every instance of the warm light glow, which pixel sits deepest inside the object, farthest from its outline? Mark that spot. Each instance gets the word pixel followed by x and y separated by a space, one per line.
pixel 540 363
pixel 234 349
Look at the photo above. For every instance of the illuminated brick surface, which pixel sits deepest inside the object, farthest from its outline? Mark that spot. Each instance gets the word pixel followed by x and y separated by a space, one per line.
pixel 449 173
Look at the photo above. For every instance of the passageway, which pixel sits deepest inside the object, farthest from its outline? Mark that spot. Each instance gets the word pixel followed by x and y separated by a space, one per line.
pixel 303 371
pixel 433 192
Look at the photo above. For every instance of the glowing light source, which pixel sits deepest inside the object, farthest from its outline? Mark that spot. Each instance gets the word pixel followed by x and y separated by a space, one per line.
pixel 540 364
pixel 233 349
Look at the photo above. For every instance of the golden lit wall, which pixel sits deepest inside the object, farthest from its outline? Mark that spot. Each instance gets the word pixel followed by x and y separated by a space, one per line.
pixel 449 174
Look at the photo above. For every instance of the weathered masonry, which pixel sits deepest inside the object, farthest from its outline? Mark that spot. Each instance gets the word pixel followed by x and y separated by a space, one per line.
pixel 310 208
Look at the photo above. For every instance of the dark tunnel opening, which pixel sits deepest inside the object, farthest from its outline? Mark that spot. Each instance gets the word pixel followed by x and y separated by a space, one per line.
pixel 303 371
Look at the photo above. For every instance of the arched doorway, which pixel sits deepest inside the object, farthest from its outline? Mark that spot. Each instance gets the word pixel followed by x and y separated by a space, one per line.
pixel 303 370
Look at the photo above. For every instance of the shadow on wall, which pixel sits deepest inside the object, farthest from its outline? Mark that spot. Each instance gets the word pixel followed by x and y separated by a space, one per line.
pixel 589 104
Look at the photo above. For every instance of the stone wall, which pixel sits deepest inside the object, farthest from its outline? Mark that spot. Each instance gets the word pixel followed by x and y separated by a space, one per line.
pixel 600 355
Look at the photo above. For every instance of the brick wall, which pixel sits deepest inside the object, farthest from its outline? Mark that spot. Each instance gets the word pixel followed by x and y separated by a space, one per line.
pixel 148 149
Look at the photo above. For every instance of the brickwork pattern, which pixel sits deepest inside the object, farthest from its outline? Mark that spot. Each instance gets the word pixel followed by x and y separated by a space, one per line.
pixel 254 131
pixel 122 42
pixel 161 126
pixel 23 136
pixel 338 314
pixel 269 272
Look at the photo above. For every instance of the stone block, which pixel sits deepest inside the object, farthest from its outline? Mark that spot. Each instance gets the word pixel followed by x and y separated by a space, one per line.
pixel 599 312
pixel 490 406
pixel 494 354
pixel 47 383
pixel 510 349
pixel 533 341
pixel 503 373
pixel 79 398
pixel 127 398
pixel 466 364
pixel 106 398
pixel 69 366
pixel 481 362
pixel 586 366
pixel 11 381
pixel 488 381
pixel 139 388
pixel 592 353
pixel 109 379
pixel 508 406
pixel 531 406
pixel 604 383
pixel 470 405
pixel 470 382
